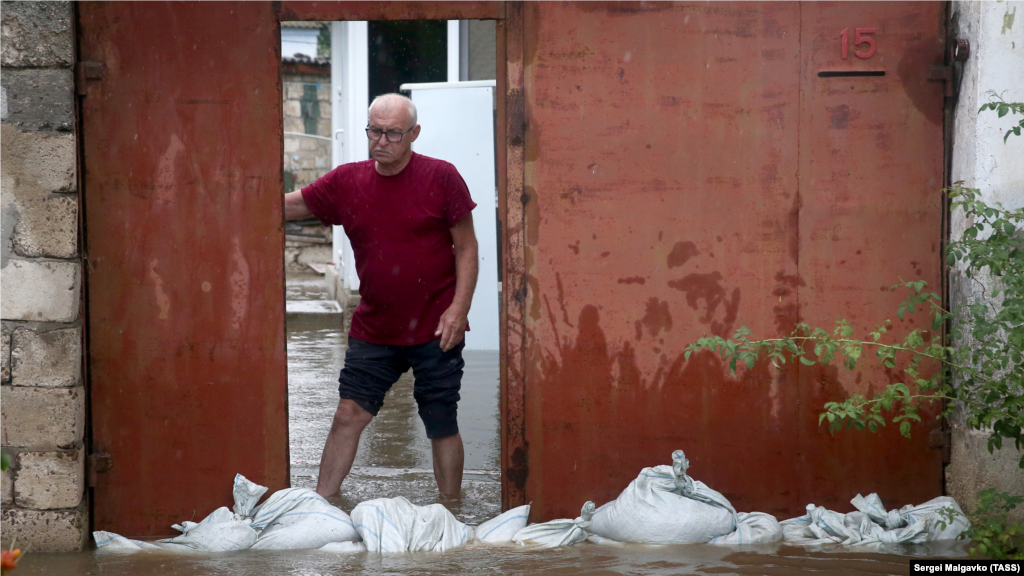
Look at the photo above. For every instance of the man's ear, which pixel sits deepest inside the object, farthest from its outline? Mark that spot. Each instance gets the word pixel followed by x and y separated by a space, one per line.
pixel 415 133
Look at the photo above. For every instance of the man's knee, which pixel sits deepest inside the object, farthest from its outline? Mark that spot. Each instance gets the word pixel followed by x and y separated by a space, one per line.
pixel 350 416
pixel 440 419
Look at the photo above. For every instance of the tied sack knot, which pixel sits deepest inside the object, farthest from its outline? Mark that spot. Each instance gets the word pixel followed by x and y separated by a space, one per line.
pixel 684 484
pixel 583 521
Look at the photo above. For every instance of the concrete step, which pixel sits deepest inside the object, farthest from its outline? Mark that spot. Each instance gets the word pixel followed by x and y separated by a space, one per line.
pixel 324 309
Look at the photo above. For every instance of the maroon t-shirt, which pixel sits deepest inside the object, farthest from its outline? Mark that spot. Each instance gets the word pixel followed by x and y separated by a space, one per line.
pixel 399 227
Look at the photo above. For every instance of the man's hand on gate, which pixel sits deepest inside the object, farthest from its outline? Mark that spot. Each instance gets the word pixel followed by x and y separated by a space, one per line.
pixel 452 327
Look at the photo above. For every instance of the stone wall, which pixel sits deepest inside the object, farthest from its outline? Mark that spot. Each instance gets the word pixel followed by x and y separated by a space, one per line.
pixel 982 160
pixel 42 394
pixel 307 111
pixel 307 154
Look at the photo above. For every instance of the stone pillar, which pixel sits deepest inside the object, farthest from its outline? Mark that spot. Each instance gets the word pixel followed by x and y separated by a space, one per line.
pixel 982 160
pixel 43 398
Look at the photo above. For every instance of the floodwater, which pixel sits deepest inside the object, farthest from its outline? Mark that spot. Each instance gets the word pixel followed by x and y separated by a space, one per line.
pixel 582 559
pixel 394 460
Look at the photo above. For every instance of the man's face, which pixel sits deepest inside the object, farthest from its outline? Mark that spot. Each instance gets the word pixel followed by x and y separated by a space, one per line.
pixel 393 119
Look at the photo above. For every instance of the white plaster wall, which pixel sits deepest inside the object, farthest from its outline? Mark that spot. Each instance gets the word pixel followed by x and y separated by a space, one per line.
pixel 983 161
pixel 980 158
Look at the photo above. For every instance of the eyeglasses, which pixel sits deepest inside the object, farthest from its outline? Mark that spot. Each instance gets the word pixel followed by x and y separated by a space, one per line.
pixel 393 137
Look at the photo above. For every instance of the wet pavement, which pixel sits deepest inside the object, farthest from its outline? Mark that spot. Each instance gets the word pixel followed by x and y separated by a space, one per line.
pixel 394 460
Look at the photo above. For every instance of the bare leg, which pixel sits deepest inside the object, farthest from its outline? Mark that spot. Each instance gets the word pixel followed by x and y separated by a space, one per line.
pixel 340 448
pixel 448 461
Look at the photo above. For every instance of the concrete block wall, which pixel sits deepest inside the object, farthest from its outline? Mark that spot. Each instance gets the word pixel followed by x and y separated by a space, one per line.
pixel 982 160
pixel 42 398
pixel 306 159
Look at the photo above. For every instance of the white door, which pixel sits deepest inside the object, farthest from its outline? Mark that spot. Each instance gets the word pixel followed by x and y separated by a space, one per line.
pixel 458 127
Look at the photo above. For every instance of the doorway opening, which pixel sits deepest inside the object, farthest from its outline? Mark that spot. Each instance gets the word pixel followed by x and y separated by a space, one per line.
pixel 330 73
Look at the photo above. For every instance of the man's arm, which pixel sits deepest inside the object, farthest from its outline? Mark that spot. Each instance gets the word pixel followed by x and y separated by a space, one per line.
pixel 452 328
pixel 295 207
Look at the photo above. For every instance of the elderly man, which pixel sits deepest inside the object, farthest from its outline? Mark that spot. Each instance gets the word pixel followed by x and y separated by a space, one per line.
pixel 408 218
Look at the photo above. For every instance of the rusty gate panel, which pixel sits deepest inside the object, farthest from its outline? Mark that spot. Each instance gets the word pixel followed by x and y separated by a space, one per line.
pixel 661 172
pixel 391 10
pixel 184 236
pixel 683 178
pixel 871 170
pixel 511 127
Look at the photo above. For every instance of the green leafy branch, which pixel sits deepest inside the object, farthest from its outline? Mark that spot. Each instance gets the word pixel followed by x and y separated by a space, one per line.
pixel 809 346
pixel 993 533
pixel 979 365
pixel 1002 108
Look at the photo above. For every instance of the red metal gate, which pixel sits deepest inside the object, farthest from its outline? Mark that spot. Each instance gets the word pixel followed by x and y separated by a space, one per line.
pixel 182 148
pixel 688 171
pixel 182 137
pixel 669 171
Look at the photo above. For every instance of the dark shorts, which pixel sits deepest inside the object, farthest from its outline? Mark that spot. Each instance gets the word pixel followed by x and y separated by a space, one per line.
pixel 371 369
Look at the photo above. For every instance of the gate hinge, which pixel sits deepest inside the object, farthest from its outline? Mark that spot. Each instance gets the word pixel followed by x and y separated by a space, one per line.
pixel 95 464
pixel 939 439
pixel 85 71
pixel 960 51
pixel 945 74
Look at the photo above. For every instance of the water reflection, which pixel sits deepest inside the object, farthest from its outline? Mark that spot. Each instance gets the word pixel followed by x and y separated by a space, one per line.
pixel 580 559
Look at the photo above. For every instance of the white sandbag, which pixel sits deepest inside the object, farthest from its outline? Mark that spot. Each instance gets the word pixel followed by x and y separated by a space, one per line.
pixel 221 531
pixel 110 542
pixel 595 539
pixel 556 533
pixel 246 493
pixel 938 526
pixel 871 524
pixel 752 528
pixel 822 526
pixel 665 506
pixel 343 547
pixel 504 526
pixel 299 518
pixel 397 525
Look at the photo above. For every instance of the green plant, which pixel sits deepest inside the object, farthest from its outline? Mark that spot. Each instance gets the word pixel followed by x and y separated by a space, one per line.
pixel 323 41
pixel 993 533
pixel 1002 108
pixel 984 351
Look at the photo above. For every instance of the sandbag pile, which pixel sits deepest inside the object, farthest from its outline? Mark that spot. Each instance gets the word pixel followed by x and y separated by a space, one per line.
pixel 937 519
pixel 397 525
pixel 557 532
pixel 293 518
pixel 298 518
pixel 663 505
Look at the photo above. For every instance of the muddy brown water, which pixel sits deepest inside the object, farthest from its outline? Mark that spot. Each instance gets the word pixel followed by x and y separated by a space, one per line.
pixel 394 460
pixel 591 559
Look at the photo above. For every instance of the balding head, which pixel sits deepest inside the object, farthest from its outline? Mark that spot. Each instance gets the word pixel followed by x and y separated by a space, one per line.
pixel 388 102
pixel 392 118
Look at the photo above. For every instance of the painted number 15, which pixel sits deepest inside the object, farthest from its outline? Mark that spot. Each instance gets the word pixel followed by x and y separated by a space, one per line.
pixel 860 36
